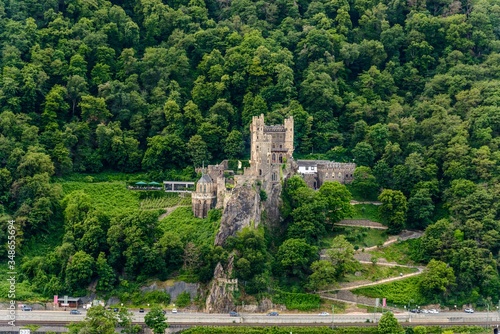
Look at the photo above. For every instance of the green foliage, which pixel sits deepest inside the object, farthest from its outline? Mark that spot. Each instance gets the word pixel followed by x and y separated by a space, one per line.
pixel 296 301
pixel 388 324
pixel 397 292
pixel 155 319
pixel 183 299
pixel 181 222
pixel 402 252
pixel 99 320
pixel 279 330
pixel 358 236
pixel 406 89
pixel 112 198
pixel 393 210
pixel 437 279
pixel 366 211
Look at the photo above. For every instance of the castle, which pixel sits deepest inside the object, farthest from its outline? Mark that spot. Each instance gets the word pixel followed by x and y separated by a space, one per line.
pixel 270 147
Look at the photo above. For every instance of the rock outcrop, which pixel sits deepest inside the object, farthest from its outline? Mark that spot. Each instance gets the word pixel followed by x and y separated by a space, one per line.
pixel 220 297
pixel 242 210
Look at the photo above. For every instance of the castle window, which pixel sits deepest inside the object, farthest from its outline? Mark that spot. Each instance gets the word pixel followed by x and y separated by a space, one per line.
pixel 260 171
pixel 326 175
pixel 307 167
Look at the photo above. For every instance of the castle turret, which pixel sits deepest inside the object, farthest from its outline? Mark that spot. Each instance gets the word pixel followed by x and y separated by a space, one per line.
pixel 205 196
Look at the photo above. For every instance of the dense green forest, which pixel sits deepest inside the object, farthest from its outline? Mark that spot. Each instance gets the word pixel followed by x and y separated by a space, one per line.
pixel 409 90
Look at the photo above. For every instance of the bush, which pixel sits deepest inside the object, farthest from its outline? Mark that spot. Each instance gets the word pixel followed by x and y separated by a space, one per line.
pixel 296 301
pixel 183 299
pixel 263 195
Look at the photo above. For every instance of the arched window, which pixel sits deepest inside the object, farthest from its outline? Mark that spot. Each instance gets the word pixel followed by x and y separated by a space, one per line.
pixel 260 171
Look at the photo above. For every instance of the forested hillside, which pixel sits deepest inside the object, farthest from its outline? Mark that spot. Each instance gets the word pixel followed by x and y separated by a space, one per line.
pixel 408 89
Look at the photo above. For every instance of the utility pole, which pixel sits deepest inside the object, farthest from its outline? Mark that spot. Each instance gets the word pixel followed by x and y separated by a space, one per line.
pixel 333 316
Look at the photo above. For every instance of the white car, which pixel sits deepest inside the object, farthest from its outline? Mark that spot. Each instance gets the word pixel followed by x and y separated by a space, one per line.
pixel 469 310
pixel 425 311
pixel 324 314
pixel 433 310
pixel 174 310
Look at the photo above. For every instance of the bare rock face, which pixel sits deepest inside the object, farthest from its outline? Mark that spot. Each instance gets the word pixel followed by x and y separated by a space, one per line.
pixel 220 297
pixel 242 209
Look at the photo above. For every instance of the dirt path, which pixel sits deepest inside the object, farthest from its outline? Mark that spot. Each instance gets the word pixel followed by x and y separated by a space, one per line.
pixel 361 223
pixel 170 210
pixel 353 202
pixel 386 280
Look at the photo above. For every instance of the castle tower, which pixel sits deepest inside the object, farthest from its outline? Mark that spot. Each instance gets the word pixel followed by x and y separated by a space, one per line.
pixel 205 196
pixel 270 144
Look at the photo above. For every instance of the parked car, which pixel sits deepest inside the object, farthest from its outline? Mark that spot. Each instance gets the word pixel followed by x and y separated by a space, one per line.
pixel 273 314
pixel 324 314
pixel 414 310
pixel 75 312
pixel 469 310
pixel 174 310
pixel 27 308
pixel 141 310
pixel 164 312
pixel 425 311
pixel 434 311
pixel 234 314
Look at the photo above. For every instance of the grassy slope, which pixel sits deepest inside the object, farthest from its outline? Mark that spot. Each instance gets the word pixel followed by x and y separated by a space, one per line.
pixel 183 223
pixel 111 197
pixel 399 252
pixel 397 292
pixel 357 236
pixel 366 211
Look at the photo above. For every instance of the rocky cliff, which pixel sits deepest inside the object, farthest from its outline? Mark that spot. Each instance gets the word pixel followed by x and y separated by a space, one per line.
pixel 242 209
pixel 220 297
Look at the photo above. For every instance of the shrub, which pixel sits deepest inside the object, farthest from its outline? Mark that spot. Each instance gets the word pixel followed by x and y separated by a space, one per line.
pixel 296 301
pixel 183 299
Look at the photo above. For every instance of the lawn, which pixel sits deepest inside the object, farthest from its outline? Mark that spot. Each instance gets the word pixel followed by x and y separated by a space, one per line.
pixel 111 197
pixel 402 252
pixel 366 211
pixel 360 237
pixel 189 228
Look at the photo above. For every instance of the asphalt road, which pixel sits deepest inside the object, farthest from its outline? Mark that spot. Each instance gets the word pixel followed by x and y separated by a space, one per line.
pixel 179 318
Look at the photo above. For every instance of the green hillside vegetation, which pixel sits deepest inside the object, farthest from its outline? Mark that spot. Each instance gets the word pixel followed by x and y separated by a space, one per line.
pixel 96 95
pixel 366 211
pixel 113 198
pixel 397 292
pixel 374 273
pixel 359 237
pixel 402 252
